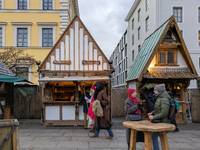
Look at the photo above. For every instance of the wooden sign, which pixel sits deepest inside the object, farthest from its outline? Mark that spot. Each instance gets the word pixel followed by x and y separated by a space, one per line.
pixel 85 62
pixel 68 62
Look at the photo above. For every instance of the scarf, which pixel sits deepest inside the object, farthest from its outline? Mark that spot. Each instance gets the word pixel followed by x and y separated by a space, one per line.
pixel 133 99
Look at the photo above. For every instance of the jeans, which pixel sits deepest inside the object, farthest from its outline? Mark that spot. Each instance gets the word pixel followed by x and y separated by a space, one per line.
pixel 96 133
pixel 155 140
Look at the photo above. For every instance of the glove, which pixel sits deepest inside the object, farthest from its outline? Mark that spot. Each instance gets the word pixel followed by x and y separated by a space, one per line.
pixel 140 105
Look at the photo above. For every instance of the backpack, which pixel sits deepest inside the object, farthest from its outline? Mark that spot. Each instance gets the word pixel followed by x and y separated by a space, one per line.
pixel 172 110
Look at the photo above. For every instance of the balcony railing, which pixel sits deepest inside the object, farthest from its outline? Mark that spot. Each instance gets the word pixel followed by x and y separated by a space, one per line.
pixel 168 69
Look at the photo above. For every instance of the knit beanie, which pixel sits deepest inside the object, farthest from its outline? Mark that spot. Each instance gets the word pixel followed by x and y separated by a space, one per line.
pixel 160 88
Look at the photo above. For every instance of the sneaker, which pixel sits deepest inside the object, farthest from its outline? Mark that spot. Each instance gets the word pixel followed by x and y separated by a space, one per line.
pixel 110 137
pixel 93 136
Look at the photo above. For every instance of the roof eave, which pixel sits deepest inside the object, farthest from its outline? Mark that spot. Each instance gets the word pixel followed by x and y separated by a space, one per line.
pixel 133 8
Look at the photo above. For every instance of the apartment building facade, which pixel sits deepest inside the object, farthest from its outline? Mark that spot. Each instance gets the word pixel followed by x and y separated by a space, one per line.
pixel 120 62
pixel 145 16
pixel 34 25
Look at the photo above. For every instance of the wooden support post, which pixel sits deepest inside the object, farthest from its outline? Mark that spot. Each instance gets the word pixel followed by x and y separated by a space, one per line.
pixel 138 90
pixel 77 105
pixel 133 138
pixel 7 112
pixel 183 95
pixel 164 140
pixel 148 140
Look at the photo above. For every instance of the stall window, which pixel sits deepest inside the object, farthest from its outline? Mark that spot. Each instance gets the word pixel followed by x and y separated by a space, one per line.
pixel 166 57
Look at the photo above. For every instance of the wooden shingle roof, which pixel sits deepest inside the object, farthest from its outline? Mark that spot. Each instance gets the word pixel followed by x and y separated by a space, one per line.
pixel 4 70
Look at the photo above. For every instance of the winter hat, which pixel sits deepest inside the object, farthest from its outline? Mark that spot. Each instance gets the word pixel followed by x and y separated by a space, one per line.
pixel 130 91
pixel 160 88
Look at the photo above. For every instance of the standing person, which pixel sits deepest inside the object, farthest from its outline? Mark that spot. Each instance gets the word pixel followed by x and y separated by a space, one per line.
pixel 133 106
pixel 102 122
pixel 85 99
pixel 90 112
pixel 161 110
pixel 173 120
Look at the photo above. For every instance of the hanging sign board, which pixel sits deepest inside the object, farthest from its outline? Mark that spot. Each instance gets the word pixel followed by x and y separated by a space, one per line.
pixel 68 62
pixel 86 62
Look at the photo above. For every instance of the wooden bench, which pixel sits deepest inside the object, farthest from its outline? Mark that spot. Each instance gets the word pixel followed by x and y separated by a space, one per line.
pixel 147 128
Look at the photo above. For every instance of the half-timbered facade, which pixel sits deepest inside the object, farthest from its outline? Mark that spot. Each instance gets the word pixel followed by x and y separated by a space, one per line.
pixel 75 62
pixel 164 58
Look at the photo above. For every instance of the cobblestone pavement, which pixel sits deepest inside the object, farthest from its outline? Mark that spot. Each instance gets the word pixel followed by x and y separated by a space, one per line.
pixel 32 136
pixel 116 124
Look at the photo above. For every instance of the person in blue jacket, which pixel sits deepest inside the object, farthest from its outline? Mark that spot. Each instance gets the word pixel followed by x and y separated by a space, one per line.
pixel 85 99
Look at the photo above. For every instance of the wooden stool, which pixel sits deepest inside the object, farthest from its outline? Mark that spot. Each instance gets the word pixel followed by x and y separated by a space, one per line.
pixel 147 128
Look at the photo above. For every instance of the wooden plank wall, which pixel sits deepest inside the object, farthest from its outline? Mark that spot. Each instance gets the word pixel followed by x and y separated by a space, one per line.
pixel 28 107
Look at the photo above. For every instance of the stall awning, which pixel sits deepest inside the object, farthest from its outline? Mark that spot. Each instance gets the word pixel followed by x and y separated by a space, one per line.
pixel 75 78
pixel 10 79
pixel 170 75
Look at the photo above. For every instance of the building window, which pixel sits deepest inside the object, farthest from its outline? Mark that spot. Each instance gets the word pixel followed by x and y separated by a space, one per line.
pixel 116 61
pixel 126 63
pixel 181 32
pixel 139 48
pixel 132 24
pixel 166 57
pixel 199 62
pixel 133 55
pixel 199 14
pixel 22 4
pixel 125 50
pixel 139 15
pixel 125 74
pixel 133 39
pixel 0 37
pixel 22 37
pixel 117 80
pixel 47 4
pixel 147 23
pixel 1 4
pixel 47 37
pixel 199 37
pixel 122 54
pixel 125 38
pixel 177 11
pixel 138 33
pixel 147 5
pixel 22 72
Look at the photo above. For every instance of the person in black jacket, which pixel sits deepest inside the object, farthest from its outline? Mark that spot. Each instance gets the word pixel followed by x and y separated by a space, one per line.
pixel 173 120
pixel 150 100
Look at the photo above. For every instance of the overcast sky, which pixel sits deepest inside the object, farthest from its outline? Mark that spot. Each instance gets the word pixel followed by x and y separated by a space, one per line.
pixel 105 21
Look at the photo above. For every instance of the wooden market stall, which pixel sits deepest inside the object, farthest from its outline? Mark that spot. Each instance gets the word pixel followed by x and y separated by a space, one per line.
pixel 74 63
pixel 164 58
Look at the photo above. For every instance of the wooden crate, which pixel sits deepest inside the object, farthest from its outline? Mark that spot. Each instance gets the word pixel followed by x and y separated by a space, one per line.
pixel 9 131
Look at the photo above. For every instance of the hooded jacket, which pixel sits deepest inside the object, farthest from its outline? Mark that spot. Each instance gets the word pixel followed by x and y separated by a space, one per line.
pixel 161 108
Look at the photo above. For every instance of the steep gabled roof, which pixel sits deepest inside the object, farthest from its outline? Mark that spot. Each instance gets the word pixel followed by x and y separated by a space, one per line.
pixel 76 50
pixel 4 70
pixel 151 46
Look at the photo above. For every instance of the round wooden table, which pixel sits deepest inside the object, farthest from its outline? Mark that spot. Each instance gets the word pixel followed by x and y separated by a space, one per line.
pixel 147 128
